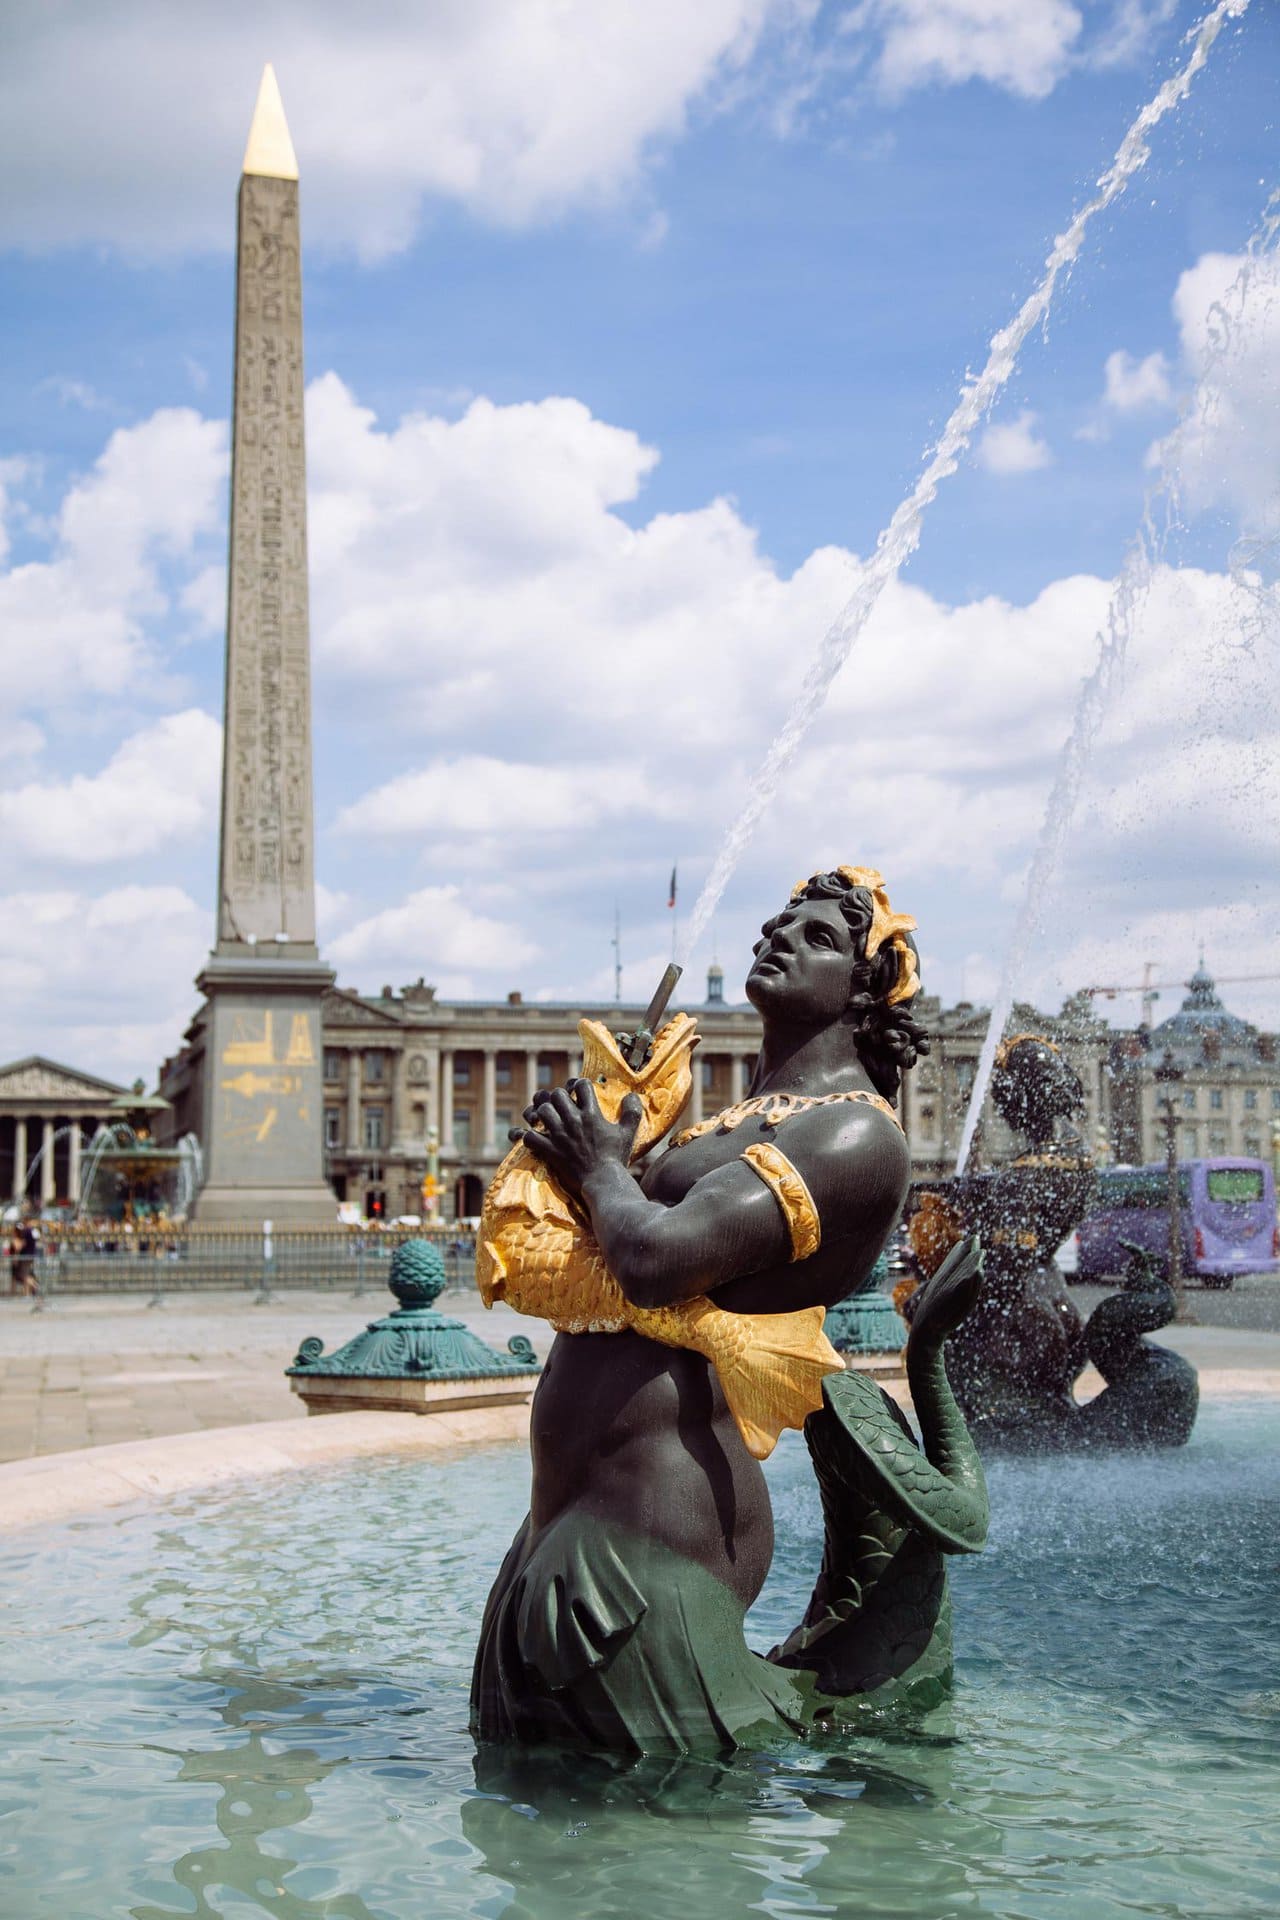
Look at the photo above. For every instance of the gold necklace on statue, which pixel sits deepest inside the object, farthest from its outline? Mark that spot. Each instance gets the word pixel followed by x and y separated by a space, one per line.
pixel 773 1108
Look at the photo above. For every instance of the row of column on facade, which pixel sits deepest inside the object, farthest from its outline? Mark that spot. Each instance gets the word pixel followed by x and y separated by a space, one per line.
pixel 35 1138
pixel 438 1090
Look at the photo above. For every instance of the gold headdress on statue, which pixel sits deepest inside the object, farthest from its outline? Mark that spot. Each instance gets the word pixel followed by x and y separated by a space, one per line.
pixel 886 925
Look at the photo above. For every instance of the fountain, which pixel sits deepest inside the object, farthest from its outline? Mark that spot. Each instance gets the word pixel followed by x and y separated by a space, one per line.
pixel 1128 597
pixel 615 1622
pixel 1015 1361
pixel 244 1701
pixel 900 538
pixel 128 1175
pixel 255 1702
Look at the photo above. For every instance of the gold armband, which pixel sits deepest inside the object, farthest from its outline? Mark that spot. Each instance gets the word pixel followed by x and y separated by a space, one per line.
pixel 791 1194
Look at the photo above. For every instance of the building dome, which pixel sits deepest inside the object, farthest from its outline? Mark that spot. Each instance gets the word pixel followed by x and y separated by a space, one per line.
pixel 1203 1029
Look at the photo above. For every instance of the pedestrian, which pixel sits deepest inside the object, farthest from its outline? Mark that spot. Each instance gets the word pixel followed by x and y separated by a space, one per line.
pixel 26 1251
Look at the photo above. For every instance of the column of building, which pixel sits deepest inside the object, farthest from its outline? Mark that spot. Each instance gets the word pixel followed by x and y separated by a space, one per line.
pixel 355 1137
pixel 446 1097
pixel 401 1136
pixel 489 1100
pixel 694 1116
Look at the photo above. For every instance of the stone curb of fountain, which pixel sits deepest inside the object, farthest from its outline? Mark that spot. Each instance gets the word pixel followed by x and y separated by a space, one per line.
pixel 65 1486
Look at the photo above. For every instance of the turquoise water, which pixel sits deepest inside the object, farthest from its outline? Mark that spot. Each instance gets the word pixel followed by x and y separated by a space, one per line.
pixel 255 1703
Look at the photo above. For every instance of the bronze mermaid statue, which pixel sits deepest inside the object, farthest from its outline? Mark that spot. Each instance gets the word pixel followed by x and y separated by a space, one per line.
pixel 688 1287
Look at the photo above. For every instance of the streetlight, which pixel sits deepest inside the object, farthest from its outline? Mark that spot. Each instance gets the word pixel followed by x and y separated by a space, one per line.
pixel 1170 1075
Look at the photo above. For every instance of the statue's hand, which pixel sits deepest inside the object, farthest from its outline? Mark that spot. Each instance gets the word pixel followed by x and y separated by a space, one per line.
pixel 566 1130
pixel 945 1299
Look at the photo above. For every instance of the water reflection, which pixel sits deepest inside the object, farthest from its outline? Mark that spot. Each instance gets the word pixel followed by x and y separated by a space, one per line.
pixel 258 1706
pixel 264 1786
pixel 776 1832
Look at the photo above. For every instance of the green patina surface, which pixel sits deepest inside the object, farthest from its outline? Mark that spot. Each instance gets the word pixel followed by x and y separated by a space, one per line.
pixel 599 1636
pixel 415 1342
pixel 867 1321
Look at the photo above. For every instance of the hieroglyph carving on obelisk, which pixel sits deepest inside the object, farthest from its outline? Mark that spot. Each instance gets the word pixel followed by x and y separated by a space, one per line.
pixel 266 880
pixel 264 984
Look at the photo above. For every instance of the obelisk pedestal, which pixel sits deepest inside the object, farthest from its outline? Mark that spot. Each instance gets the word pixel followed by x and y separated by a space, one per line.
pixel 264 980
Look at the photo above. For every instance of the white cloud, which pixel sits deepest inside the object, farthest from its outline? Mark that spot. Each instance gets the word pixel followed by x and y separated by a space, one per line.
pixel 433 931
pixel 1024 46
pixel 1014 446
pixel 480 566
pixel 74 393
pixel 103 982
pixel 528 706
pixel 1227 451
pixel 127 123
pixel 160 785
pixel 77 625
pixel 478 794
pixel 1136 385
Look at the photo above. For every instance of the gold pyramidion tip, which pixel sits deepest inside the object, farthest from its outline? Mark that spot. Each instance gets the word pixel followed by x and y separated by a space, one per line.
pixel 270 150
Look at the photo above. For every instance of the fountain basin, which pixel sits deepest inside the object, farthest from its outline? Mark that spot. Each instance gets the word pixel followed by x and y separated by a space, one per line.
pixel 254 1701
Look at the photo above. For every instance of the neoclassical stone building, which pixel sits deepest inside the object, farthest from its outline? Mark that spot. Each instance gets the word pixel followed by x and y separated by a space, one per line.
pixel 1228 1100
pixel 403 1064
pixel 48 1115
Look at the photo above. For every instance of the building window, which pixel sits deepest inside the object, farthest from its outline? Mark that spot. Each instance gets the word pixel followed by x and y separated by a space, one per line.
pixel 462 1129
pixel 502 1119
pixel 1253 1146
pixel 708 1076
pixel 1189 1099
pixel 502 1070
pixel 332 1064
pixel 544 1073
pixel 1191 1143
pixel 373 1121
pixel 333 1126
pixel 1217 1142
pixel 1275 1099
pixel 1215 1099
pixel 375 1066
pixel 1250 1099
pixel 461 1071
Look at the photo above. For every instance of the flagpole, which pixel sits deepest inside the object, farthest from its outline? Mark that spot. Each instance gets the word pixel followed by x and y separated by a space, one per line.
pixel 617 955
pixel 675 914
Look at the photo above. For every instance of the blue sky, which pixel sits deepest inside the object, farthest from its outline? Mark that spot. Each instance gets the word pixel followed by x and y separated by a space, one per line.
pixel 627 329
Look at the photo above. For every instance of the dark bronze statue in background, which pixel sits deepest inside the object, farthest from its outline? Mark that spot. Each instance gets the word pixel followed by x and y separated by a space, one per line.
pixel 688 1293
pixel 1015 1361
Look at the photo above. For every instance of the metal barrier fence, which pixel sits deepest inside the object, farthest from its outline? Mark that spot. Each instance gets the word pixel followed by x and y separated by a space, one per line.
pixel 182 1259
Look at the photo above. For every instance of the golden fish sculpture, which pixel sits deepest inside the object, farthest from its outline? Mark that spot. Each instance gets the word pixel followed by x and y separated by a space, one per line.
pixel 537 1253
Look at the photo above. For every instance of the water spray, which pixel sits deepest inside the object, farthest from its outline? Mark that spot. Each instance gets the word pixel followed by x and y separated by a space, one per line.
pixel 900 538
pixel 1129 596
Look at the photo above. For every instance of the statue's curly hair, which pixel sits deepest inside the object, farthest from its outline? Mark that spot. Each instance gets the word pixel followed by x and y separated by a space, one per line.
pixel 888 1040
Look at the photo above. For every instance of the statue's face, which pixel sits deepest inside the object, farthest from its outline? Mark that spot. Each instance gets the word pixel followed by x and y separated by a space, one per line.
pixel 803 965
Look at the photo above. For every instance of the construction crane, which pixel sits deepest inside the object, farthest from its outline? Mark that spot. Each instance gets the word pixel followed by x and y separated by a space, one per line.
pixel 1151 989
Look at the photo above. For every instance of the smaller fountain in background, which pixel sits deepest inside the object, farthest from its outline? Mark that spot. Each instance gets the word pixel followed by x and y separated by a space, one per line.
pixel 1015 1362
pixel 128 1175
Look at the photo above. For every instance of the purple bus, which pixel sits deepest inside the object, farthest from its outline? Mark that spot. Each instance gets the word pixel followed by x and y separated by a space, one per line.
pixel 1228 1210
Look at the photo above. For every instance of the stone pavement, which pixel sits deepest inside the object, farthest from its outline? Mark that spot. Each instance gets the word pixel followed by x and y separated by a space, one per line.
pixel 99 1369
pixel 95 1369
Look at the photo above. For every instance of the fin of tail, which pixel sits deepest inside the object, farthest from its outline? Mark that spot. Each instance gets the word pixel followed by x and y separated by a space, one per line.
pixel 771 1367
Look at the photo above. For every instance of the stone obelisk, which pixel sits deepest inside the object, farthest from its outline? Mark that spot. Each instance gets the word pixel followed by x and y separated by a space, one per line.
pixel 264 980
